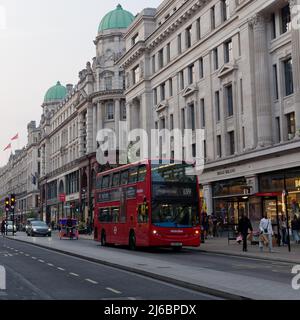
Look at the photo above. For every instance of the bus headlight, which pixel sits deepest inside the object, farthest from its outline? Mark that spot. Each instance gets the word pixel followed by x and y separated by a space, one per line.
pixel 154 232
pixel 197 232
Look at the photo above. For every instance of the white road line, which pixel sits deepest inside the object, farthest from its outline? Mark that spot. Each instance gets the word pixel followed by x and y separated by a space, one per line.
pixel 21 252
pixel 26 255
pixel 61 269
pixel 50 264
pixel 74 274
pixel 34 258
pixel 5 255
pixel 113 290
pixel 91 281
pixel 42 261
pixel 10 254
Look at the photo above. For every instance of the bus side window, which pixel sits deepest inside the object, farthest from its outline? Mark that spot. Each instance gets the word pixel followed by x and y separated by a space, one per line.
pixel 105 182
pixel 116 179
pixel 98 182
pixel 142 173
pixel 124 177
pixel 104 215
pixel 133 173
pixel 115 215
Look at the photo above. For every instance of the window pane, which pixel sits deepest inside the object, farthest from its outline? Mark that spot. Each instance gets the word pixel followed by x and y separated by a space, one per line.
pixel 133 175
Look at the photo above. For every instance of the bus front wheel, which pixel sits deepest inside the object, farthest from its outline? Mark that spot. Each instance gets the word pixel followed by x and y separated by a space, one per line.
pixel 103 239
pixel 132 241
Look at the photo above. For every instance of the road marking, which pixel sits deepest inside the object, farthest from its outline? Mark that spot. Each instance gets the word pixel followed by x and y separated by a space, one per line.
pixel 10 254
pixel 50 264
pixel 16 250
pixel 131 298
pixel 61 269
pixel 113 290
pixel 91 281
pixel 74 274
pixel 42 261
pixel 26 255
pixel 34 258
pixel 5 255
pixel 21 252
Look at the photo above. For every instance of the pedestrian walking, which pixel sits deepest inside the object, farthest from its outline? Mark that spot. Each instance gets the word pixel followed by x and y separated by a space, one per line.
pixel 283 229
pixel 3 227
pixel 266 233
pixel 210 227
pixel 296 229
pixel 243 228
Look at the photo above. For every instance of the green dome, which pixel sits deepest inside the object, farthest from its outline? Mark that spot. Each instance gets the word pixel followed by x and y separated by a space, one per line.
pixel 116 19
pixel 56 93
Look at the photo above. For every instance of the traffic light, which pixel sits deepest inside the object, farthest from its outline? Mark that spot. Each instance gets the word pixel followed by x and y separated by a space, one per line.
pixel 7 206
pixel 12 201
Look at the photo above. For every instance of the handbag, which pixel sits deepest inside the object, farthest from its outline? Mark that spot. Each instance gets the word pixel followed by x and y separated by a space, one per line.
pixel 267 229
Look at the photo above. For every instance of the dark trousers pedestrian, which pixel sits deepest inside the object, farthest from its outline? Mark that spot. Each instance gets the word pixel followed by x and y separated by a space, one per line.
pixel 245 236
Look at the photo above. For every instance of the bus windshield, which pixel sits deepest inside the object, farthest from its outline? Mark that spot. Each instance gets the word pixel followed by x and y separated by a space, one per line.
pixel 174 215
pixel 173 173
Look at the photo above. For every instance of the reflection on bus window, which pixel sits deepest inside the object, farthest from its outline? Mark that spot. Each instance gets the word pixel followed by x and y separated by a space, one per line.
pixel 142 173
pixel 104 215
pixel 116 179
pixel 105 182
pixel 124 177
pixel 133 173
pixel 173 173
pixel 174 215
pixel 115 214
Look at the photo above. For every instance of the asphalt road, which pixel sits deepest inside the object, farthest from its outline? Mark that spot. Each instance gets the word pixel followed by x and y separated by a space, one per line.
pixel 34 273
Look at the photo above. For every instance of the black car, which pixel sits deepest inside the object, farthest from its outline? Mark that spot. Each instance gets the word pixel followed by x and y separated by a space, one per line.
pixel 38 228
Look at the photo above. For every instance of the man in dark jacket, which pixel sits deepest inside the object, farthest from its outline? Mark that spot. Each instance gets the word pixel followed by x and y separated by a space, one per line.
pixel 243 228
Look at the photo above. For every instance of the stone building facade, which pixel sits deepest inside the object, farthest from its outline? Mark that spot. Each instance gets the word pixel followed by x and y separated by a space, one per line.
pixel 20 176
pixel 232 69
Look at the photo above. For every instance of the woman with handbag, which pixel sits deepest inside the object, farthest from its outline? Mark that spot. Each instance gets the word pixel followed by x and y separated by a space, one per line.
pixel 266 233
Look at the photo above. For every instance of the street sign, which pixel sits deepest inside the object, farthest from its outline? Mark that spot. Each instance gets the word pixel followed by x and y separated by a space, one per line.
pixel 62 197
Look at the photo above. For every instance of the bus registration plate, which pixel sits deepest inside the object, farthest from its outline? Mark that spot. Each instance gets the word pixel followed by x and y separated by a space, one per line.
pixel 176 244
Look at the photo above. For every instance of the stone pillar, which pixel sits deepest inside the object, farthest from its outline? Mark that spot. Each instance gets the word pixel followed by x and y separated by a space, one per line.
pixel 117 118
pixel 94 127
pixel 81 134
pixel 89 128
pixel 100 107
pixel 262 83
pixel 207 193
pixel 296 59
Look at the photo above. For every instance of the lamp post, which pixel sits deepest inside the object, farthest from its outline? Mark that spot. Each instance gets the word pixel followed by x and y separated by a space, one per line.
pixel 285 195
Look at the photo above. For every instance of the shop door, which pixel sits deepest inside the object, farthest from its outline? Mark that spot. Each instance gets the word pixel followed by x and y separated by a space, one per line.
pixel 271 208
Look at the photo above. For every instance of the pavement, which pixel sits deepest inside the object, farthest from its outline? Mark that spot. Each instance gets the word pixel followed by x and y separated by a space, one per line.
pixel 227 275
pixel 282 254
pixel 220 245
pixel 35 273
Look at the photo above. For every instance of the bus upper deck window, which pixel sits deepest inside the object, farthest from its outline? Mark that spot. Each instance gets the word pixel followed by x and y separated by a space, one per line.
pixel 142 173
pixel 105 182
pixel 133 174
pixel 116 179
pixel 124 177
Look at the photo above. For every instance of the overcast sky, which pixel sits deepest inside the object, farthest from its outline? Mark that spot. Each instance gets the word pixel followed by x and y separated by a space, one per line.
pixel 41 42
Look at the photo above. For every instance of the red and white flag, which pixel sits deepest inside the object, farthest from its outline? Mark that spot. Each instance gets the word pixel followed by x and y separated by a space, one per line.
pixel 8 147
pixel 16 137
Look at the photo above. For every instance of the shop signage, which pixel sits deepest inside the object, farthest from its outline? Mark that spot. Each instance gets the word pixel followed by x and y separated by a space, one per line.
pixel 62 197
pixel 224 172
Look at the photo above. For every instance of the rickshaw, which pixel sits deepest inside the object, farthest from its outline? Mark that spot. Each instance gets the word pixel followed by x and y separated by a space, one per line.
pixel 68 232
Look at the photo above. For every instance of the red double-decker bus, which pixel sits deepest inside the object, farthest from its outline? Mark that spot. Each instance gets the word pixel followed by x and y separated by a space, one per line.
pixel 152 203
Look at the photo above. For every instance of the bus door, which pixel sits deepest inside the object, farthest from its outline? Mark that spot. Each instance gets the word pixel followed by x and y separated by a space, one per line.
pixel 142 229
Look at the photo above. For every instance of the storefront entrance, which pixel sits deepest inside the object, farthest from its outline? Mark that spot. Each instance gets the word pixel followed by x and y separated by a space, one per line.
pixel 272 207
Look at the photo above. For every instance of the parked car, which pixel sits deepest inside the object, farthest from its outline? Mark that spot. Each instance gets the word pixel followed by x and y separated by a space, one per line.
pixel 28 223
pixel 10 228
pixel 38 228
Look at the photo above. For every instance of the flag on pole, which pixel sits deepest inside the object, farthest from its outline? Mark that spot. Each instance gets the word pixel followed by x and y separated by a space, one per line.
pixel 8 147
pixel 16 137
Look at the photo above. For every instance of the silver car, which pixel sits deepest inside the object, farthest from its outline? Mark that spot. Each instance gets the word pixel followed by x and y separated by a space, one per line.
pixel 38 228
pixel 10 227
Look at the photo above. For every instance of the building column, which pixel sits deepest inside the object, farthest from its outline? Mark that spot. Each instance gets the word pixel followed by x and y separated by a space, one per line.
pixel 94 127
pixel 207 194
pixel 89 126
pixel 81 134
pixel 117 119
pixel 296 60
pixel 100 107
pixel 262 84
